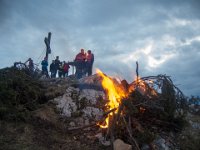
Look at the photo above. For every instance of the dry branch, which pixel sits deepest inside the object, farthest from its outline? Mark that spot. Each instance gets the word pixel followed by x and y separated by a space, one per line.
pixel 133 141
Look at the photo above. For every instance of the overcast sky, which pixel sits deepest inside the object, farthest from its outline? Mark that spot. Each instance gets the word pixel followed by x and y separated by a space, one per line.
pixel 162 35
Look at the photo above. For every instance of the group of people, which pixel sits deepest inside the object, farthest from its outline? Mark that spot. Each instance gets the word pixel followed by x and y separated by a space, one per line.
pixel 62 68
pixel 56 67
pixel 83 63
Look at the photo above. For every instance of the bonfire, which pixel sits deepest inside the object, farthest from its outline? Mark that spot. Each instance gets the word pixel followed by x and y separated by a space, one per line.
pixel 135 112
pixel 151 100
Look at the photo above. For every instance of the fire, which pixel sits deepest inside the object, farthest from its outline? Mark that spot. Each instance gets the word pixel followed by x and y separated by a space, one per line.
pixel 114 93
pixel 139 84
pixel 143 87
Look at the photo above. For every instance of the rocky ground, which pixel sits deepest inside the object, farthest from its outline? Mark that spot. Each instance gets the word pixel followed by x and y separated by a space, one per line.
pixel 53 116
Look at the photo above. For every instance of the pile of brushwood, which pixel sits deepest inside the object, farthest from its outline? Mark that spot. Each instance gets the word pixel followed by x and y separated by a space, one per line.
pixel 20 94
pixel 155 105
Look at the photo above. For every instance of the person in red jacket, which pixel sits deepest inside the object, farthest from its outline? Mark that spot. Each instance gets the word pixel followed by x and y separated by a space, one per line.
pixel 65 69
pixel 80 64
pixel 81 56
pixel 89 62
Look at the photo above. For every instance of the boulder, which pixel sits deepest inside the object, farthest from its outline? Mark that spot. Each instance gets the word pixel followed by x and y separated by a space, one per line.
pixel 120 145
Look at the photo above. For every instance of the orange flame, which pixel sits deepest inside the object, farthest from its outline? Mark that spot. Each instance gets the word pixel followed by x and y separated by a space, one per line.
pixel 143 87
pixel 115 94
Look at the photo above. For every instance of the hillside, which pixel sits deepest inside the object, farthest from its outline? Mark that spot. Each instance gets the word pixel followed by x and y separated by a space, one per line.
pixel 61 114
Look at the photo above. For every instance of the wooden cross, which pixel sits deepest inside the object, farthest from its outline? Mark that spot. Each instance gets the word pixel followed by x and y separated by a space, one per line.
pixel 47 42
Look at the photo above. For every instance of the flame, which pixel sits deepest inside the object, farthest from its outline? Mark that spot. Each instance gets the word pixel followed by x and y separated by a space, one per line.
pixel 139 84
pixel 143 87
pixel 115 94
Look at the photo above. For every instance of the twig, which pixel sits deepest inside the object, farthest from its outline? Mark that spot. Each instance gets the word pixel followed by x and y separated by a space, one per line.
pixel 141 103
pixel 82 127
pixel 130 134
pixel 137 74
pixel 112 123
pixel 166 123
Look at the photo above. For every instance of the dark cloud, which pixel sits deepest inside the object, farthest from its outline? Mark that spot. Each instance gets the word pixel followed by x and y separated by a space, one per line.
pixel 162 35
pixel 4 11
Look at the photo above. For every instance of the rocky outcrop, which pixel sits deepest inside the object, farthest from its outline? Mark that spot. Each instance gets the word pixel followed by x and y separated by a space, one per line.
pixel 80 101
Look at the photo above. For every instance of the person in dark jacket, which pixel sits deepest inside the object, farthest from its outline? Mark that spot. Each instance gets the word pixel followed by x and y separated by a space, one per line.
pixel 30 65
pixel 60 70
pixel 53 69
pixel 89 62
pixel 44 64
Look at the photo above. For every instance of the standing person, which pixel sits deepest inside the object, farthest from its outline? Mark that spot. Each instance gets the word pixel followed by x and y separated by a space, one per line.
pixel 44 64
pixel 80 63
pixel 81 56
pixel 57 64
pixel 65 69
pixel 53 69
pixel 89 62
pixel 30 65
pixel 60 70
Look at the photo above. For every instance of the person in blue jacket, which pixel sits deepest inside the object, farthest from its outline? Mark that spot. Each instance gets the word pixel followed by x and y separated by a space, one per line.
pixel 44 64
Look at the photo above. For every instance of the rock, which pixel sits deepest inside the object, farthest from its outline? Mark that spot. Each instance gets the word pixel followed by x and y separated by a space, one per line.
pixel 92 112
pixel 102 140
pixel 83 102
pixel 99 135
pixel 79 121
pixel 81 106
pixel 93 79
pixel 91 95
pixel 195 125
pixel 66 105
pixel 145 147
pixel 161 144
pixel 72 124
pixel 86 122
pixel 120 145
